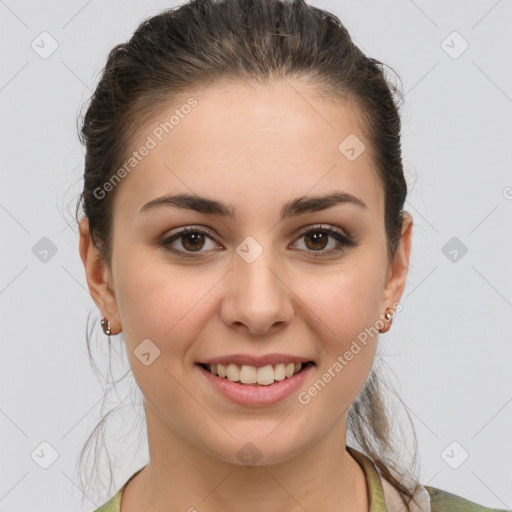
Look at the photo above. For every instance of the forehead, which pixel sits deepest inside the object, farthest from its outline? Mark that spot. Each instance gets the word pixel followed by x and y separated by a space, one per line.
pixel 241 142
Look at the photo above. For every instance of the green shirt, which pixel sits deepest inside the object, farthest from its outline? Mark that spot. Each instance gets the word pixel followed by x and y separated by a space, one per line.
pixel 381 495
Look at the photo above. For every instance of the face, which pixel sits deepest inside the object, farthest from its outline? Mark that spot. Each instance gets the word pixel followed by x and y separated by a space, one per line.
pixel 305 286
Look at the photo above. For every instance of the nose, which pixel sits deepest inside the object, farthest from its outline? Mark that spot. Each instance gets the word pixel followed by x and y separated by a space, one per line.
pixel 257 297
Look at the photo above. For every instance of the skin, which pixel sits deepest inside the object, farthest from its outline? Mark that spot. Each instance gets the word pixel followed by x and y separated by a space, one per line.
pixel 255 147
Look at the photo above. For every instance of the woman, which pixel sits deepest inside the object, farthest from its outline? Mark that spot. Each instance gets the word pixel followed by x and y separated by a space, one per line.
pixel 244 230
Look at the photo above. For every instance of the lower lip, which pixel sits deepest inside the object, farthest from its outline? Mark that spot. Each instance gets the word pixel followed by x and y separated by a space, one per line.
pixel 253 396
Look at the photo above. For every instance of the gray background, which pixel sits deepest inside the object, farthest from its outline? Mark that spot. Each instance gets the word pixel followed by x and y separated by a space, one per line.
pixel 449 349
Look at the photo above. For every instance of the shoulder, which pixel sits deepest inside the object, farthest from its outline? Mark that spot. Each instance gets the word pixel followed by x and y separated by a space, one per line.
pixel 444 501
pixel 114 505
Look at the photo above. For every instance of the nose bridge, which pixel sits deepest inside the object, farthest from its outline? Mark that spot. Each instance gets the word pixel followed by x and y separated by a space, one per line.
pixel 257 295
pixel 256 266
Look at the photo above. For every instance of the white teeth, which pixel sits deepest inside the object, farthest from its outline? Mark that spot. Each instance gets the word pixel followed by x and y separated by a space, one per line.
pixel 264 376
pixel 279 372
pixel 248 374
pixel 233 372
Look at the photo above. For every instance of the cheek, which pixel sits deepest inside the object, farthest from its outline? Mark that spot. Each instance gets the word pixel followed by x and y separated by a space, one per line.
pixel 347 301
pixel 162 304
pixel 159 302
pixel 347 306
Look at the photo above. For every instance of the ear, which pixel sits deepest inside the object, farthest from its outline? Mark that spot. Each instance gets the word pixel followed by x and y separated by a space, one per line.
pixel 98 277
pixel 398 268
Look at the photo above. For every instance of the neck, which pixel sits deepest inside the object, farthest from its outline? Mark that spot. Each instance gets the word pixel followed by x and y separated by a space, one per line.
pixel 180 476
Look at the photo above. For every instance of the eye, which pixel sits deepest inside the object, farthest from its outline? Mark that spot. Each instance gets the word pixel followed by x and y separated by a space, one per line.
pixel 192 240
pixel 316 240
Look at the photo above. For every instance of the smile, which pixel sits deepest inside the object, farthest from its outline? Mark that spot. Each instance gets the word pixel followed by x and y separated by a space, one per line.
pixel 264 385
pixel 252 375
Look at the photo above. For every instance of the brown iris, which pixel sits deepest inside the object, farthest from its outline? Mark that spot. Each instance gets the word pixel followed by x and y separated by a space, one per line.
pixel 317 238
pixel 197 240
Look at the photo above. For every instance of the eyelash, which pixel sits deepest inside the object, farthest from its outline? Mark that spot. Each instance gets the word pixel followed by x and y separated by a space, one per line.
pixel 343 241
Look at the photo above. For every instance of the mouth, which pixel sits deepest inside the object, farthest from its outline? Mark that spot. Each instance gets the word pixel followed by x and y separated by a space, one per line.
pixel 256 376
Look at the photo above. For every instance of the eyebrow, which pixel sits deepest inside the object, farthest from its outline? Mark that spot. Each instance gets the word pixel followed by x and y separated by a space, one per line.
pixel 293 208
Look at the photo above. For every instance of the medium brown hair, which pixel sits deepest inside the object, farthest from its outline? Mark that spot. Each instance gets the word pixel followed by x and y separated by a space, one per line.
pixel 207 41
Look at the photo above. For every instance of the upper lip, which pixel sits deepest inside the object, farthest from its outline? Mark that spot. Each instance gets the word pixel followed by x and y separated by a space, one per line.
pixel 257 361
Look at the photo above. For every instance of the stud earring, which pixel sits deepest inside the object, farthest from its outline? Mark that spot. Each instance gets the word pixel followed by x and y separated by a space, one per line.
pixel 105 324
pixel 389 319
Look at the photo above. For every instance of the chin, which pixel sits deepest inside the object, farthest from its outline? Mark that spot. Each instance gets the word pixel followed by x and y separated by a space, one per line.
pixel 259 449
